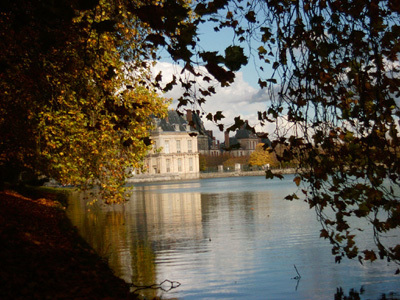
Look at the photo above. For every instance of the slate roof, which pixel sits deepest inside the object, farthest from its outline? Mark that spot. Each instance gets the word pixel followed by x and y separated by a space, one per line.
pixel 198 123
pixel 173 119
pixel 243 134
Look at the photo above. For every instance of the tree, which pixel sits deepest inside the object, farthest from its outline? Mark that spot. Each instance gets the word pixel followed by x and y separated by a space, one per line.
pixel 335 84
pixel 339 82
pixel 76 101
pixel 262 157
pixel 212 162
pixel 230 161
pixel 202 162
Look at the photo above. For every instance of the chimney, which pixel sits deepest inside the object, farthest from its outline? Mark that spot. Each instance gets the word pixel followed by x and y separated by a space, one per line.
pixel 189 116
pixel 226 139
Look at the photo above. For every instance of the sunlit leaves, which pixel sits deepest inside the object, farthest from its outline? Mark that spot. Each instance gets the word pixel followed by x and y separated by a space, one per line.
pixel 85 148
pixel 68 95
pixel 262 157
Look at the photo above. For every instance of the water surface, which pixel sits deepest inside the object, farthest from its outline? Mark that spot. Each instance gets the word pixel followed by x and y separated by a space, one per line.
pixel 224 238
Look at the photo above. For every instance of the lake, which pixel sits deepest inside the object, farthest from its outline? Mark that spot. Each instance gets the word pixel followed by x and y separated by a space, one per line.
pixel 224 238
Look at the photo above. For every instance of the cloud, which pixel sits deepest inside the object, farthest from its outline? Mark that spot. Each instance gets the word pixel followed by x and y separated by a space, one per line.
pixel 263 95
pixel 260 96
pixel 239 99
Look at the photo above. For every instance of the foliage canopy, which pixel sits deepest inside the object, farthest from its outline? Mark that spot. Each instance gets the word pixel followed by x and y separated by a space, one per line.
pixel 335 86
pixel 76 103
pixel 262 157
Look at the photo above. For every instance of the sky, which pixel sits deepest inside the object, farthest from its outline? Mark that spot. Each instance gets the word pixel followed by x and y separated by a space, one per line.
pixel 243 98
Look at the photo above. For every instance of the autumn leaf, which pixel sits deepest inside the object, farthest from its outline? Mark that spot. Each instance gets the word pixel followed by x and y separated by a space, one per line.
pixel 324 234
pixel 251 16
pixel 369 255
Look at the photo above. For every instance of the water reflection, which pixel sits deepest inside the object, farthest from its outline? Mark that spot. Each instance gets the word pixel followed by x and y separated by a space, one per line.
pixel 228 238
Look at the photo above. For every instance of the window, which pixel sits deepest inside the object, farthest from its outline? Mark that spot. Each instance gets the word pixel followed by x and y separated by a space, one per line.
pixel 166 149
pixel 178 146
pixel 190 164
pixel 154 147
pixel 179 164
pixel 190 146
pixel 168 162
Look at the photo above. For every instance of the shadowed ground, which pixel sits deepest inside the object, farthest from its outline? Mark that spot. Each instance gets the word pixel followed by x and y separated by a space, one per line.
pixel 43 257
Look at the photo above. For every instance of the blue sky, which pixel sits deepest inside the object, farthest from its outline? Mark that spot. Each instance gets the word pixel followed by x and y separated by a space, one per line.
pixel 243 98
pixel 218 41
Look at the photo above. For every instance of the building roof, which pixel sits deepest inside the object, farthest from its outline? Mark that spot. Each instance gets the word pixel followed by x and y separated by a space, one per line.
pixel 174 122
pixel 243 134
pixel 198 124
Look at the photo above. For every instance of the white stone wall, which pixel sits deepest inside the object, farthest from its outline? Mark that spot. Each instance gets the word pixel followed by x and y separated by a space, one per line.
pixel 173 153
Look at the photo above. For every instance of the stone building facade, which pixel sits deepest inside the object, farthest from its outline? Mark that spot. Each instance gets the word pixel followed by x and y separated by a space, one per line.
pixel 175 152
pixel 178 141
pixel 244 142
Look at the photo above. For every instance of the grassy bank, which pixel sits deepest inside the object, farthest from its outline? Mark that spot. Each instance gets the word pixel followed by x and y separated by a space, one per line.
pixel 43 257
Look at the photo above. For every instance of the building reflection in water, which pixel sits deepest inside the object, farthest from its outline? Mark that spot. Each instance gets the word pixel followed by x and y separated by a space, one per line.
pixel 129 235
pixel 158 226
pixel 221 241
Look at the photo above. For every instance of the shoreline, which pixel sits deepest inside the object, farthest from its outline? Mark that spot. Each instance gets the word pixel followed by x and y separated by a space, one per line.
pixel 246 173
pixel 201 175
pixel 44 257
